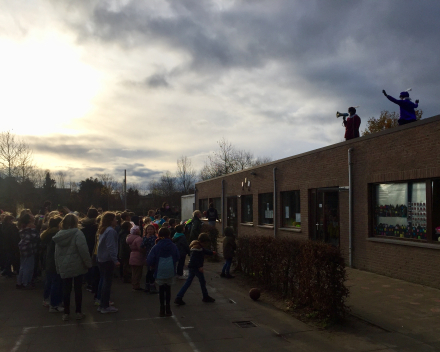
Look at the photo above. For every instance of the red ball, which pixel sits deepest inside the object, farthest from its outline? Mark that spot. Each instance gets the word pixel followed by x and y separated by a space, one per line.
pixel 254 293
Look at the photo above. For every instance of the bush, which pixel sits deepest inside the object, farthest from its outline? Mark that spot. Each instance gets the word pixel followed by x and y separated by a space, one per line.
pixel 309 274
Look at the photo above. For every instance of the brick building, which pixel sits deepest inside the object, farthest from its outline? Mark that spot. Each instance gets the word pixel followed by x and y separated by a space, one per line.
pixel 395 196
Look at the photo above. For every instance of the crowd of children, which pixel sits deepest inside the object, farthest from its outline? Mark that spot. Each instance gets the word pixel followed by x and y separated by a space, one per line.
pixel 73 250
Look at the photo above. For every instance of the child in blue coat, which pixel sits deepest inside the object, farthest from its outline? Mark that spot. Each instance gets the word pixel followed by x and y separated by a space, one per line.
pixel 163 257
pixel 407 107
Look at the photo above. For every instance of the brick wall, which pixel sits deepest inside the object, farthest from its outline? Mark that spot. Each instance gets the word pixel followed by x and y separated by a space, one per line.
pixel 407 152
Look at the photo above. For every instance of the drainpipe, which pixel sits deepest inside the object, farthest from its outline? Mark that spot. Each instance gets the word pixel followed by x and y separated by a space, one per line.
pixel 274 202
pixel 224 216
pixel 350 210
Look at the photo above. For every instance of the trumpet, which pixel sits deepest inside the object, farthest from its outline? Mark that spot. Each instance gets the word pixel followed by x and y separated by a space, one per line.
pixel 341 114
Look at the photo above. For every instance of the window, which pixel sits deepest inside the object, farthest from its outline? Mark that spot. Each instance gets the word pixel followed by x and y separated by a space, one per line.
pixel 247 208
pixel 290 209
pixel 401 210
pixel 265 209
pixel 435 230
pixel 203 205
pixel 218 205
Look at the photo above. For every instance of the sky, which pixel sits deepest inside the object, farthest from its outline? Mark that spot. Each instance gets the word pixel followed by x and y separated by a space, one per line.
pixel 102 86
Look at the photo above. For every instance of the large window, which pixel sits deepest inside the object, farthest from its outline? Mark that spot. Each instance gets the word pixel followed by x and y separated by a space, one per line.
pixel 203 205
pixel 218 205
pixel 265 209
pixel 247 209
pixel 401 210
pixel 290 209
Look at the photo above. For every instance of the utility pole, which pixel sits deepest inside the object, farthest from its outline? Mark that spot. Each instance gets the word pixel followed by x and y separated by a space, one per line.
pixel 125 188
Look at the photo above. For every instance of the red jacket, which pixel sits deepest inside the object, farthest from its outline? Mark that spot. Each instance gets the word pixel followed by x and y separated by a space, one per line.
pixel 352 127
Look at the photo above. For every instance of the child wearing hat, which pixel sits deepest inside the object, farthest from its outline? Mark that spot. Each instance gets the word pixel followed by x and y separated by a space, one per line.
pixel 407 112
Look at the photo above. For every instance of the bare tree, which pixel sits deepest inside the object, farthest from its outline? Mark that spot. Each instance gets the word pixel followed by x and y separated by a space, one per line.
pixel 110 185
pixel 60 175
pixel 227 159
pixel 166 185
pixel 38 177
pixel 185 175
pixel 13 153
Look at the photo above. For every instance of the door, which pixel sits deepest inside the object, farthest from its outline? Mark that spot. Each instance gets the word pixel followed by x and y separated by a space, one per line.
pixel 324 208
pixel 231 203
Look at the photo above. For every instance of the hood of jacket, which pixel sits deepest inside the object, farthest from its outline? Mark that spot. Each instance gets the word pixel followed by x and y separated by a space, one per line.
pixel 131 238
pixel 196 245
pixel 177 235
pixel 64 237
pixel 165 246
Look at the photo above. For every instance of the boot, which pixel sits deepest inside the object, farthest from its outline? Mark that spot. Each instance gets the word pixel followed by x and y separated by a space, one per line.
pixel 162 311
pixel 168 311
pixel 222 274
pixel 229 276
pixel 179 301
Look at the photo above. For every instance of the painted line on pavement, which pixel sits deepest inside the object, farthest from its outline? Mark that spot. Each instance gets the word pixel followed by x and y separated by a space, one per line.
pixel 20 339
pixel 187 337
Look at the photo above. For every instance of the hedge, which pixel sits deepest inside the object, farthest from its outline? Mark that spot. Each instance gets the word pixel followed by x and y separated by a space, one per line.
pixel 309 274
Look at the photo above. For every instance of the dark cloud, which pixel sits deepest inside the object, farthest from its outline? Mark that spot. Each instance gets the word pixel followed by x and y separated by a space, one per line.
pixel 157 81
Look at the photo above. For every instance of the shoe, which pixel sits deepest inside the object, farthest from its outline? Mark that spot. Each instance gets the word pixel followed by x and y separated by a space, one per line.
pixel 229 276
pixel 222 275
pixel 97 302
pixel 65 317
pixel 46 303
pixel 56 309
pixel 162 311
pixel 99 309
pixel 208 299
pixel 179 301
pixel 109 310
pixel 168 311
pixel 110 303
pixel 19 287
pixel 80 316
pixel 89 288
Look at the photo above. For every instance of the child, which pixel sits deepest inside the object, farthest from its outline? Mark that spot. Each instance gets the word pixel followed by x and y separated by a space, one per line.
pixel 137 257
pixel 180 241
pixel 163 256
pixel 195 267
pixel 148 242
pixel 229 247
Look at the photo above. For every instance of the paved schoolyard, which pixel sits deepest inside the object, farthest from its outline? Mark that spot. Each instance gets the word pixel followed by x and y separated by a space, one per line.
pixel 25 325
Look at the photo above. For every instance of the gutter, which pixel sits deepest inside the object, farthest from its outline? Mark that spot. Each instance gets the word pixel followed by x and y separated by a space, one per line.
pixel 274 202
pixel 350 210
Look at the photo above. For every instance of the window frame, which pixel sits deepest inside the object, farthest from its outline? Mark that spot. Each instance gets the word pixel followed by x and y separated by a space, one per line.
pixel 372 201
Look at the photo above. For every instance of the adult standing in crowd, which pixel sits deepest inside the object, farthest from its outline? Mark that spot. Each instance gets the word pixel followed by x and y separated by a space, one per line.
pixel 10 240
pixel 89 229
pixel 166 210
pixel 212 215
pixel 196 226
pixel 28 247
pixel 72 260
pixel 107 259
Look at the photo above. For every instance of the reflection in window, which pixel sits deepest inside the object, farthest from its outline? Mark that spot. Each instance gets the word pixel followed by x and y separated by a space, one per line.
pixel 247 209
pixel 290 209
pixel 265 209
pixel 400 210
pixel 203 205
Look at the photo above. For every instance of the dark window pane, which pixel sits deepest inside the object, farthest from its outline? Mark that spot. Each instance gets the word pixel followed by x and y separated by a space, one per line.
pixel 290 209
pixel 247 208
pixel 265 208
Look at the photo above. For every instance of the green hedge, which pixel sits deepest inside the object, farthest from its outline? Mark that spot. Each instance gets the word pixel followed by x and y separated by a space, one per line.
pixel 310 274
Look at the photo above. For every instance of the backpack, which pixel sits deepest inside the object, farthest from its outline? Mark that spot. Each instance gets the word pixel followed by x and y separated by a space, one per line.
pixel 165 268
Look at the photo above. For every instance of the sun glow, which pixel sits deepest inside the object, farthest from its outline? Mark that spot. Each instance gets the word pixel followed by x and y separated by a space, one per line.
pixel 44 85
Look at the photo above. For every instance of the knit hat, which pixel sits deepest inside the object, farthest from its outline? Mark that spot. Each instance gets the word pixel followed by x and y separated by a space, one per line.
pixel 134 230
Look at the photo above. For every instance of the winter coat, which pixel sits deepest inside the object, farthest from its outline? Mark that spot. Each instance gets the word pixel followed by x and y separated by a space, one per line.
pixel 89 229
pixel 72 256
pixel 108 246
pixel 212 214
pixel 46 238
pixel 10 239
pixel 196 228
pixel 137 255
pixel 164 248
pixel 28 244
pixel 229 247
pixel 352 125
pixel 124 249
pixel 197 256
pixel 180 241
